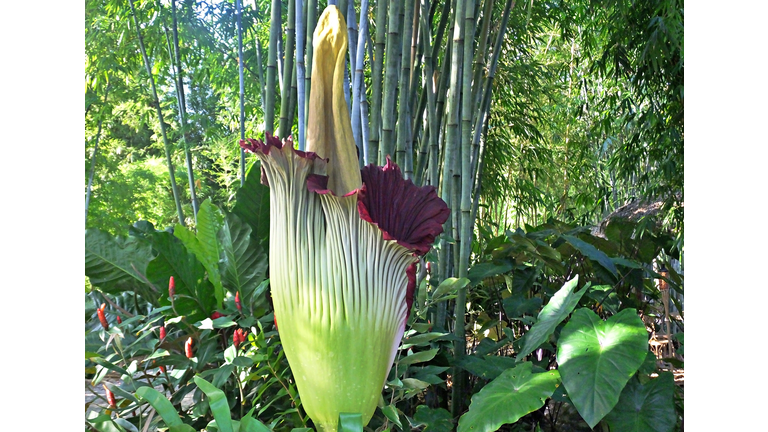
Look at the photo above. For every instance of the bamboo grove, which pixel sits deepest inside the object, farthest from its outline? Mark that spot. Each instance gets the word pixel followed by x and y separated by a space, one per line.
pixel 423 87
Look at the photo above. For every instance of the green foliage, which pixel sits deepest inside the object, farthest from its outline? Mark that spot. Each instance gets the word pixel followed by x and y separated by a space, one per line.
pixel 587 115
pixel 515 393
pixel 645 407
pixel 597 358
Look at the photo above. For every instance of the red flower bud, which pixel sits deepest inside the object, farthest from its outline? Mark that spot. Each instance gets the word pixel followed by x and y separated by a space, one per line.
pixel 188 348
pixel 429 267
pixel 162 368
pixel 216 315
pixel 110 396
pixel 119 320
pixel 162 332
pixel 237 302
pixel 276 323
pixel 171 288
pixel 102 317
pixel 239 337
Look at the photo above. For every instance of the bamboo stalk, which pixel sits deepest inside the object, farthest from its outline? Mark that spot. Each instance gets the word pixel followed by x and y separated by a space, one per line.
pixel 300 68
pixel 310 29
pixel 183 112
pixel 239 7
pixel 156 101
pixel 274 35
pixel 286 115
pixel 358 85
pixel 352 48
pixel 377 71
pixel 404 153
pixel 93 157
pixel 387 143
pixel 452 156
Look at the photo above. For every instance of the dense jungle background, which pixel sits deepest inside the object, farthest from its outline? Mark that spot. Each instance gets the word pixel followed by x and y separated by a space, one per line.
pixel 554 131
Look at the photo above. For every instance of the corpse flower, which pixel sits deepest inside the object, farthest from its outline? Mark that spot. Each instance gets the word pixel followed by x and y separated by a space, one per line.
pixel 343 247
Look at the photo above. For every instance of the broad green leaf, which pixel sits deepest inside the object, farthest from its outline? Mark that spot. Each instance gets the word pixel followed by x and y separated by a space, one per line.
pixel 252 205
pixel 205 244
pixel 516 305
pixel 125 424
pixel 592 253
pixel 418 357
pixel 597 359
pixel 480 271
pixel 104 423
pixel 243 263
pixel 350 422
pixel 420 339
pixel 413 383
pixel 193 290
pixel 434 420
pixel 117 264
pixel 390 412
pixel 217 400
pixel 162 405
pixel 645 408
pixel 449 287
pixel 515 393
pixel 250 424
pixel 485 367
pixel 558 308
pixel 181 428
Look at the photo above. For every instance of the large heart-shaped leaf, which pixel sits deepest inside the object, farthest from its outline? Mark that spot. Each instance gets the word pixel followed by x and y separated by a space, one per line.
pixel 598 357
pixel 515 393
pixel 205 244
pixel 645 408
pixel 243 262
pixel 116 264
pixel 558 308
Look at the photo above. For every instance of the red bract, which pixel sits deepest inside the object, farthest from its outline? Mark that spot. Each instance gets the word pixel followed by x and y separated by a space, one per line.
pixel 237 302
pixel 162 332
pixel 216 315
pixel 110 396
pixel 162 368
pixel 102 317
pixel 276 323
pixel 188 348
pixel 119 321
pixel 239 337
pixel 171 288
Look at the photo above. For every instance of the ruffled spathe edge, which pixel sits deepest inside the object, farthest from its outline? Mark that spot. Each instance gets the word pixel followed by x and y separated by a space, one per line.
pixel 413 216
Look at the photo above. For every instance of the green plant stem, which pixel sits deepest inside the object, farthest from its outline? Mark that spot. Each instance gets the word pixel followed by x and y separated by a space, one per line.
pixel 167 145
pixel 274 35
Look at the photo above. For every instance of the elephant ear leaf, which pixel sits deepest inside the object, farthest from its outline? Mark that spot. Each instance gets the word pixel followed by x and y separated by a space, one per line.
pixel 645 408
pixel 515 393
pixel 597 358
